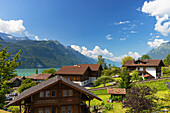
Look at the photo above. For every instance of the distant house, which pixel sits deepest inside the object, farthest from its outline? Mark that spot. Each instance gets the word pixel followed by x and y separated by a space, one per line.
pixel 116 92
pixel 150 68
pixel 15 82
pixel 55 95
pixel 40 77
pixel 81 74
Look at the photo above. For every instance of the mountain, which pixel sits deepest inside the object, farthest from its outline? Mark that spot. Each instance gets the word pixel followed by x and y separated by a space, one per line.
pixel 160 52
pixel 117 64
pixel 44 54
pixel 10 38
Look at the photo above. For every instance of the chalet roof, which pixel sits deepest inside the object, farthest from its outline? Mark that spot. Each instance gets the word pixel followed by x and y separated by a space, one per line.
pixel 32 76
pixel 73 70
pixel 116 91
pixel 14 79
pixel 147 75
pixel 45 84
pixel 146 63
pixel 43 76
pixel 93 67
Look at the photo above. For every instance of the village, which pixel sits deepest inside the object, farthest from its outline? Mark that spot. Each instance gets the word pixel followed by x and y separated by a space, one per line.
pixel 89 88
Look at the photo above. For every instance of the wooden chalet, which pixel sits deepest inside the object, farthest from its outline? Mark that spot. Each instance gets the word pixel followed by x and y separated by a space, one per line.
pixel 55 95
pixel 81 74
pixel 150 68
pixel 40 77
pixel 15 82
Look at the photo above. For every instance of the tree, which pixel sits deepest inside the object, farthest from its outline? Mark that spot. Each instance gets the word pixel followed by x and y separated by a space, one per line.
pixel 140 99
pixel 27 83
pixel 125 81
pixel 103 80
pixel 167 60
pixel 145 57
pixel 109 66
pixel 135 75
pixel 7 67
pixel 51 70
pixel 100 60
pixel 125 59
pixel 105 66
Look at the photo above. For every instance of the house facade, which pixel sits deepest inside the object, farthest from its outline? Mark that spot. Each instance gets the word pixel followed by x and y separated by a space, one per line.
pixel 150 68
pixel 55 95
pixel 81 74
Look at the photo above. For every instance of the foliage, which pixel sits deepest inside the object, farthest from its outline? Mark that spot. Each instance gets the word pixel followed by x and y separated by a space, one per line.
pixel 7 67
pixel 14 109
pixel 103 80
pixel 139 99
pixel 108 106
pixel 117 98
pixel 125 81
pixel 27 83
pixel 167 60
pixel 159 84
pixel 165 70
pixel 109 66
pixel 135 75
pixel 105 66
pixel 124 59
pixel 145 57
pixel 100 92
pixel 140 78
pixel 100 60
pixel 95 109
pixel 51 70
pixel 111 72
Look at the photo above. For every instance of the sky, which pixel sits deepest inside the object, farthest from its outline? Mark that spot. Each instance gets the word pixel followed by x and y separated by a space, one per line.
pixel 111 28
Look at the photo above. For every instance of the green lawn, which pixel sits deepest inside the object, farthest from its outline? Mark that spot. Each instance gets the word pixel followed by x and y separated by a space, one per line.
pixel 2 111
pixel 101 85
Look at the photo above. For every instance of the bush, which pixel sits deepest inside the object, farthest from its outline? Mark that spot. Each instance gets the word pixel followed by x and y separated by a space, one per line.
pixel 140 78
pixel 117 98
pixel 14 109
pixel 108 106
pixel 166 70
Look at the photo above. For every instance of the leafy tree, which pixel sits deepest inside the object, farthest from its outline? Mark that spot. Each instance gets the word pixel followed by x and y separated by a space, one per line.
pixel 109 66
pixel 27 83
pixel 105 66
pixel 51 70
pixel 135 75
pixel 103 80
pixel 145 57
pixel 125 59
pixel 167 60
pixel 125 81
pixel 100 60
pixel 140 99
pixel 7 67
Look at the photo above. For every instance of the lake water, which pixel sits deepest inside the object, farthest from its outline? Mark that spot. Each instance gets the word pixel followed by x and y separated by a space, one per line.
pixel 27 72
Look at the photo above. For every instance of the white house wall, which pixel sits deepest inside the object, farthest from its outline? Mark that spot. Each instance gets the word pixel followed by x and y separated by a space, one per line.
pixel 82 83
pixel 92 79
pixel 152 71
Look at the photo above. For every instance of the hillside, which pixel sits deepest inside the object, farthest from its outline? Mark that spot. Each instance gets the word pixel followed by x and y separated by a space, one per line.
pixel 45 54
pixel 160 52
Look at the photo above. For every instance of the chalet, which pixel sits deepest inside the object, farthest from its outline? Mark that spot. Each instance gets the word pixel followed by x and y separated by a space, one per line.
pixel 81 74
pixel 40 77
pixel 150 68
pixel 15 82
pixel 116 92
pixel 55 95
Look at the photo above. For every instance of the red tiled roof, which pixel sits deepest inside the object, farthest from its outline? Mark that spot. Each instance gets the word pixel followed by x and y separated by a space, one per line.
pixel 116 91
pixel 73 70
pixel 43 76
pixel 32 76
pixel 146 75
pixel 150 63
pixel 93 67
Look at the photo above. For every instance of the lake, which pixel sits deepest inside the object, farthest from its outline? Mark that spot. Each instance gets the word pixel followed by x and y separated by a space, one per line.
pixel 27 72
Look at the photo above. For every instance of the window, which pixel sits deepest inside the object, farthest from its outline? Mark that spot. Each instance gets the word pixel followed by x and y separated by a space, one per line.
pixel 40 110
pixel 70 93
pixel 47 110
pixel 41 94
pixel 74 78
pixel 47 93
pixel 69 109
pixel 54 110
pixel 64 92
pixel 53 93
pixel 77 78
pixel 63 109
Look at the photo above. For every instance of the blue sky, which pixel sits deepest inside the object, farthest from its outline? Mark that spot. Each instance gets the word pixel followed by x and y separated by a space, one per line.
pixel 113 28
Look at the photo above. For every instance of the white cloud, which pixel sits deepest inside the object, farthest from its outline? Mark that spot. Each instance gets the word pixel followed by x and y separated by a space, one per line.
pixel 28 34
pixel 11 26
pixel 105 53
pixel 108 37
pixel 45 39
pixel 36 38
pixel 133 32
pixel 122 39
pixel 138 9
pixel 161 10
pixel 157 36
pixel 156 42
pixel 151 34
pixel 122 22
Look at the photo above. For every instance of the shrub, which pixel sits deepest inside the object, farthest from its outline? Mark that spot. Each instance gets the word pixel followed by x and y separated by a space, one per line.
pixel 166 70
pixel 140 78
pixel 108 106
pixel 14 109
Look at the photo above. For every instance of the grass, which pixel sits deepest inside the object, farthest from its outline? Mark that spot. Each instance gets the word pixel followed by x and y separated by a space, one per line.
pixel 159 84
pixel 101 85
pixel 2 111
pixel 166 75
pixel 100 92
